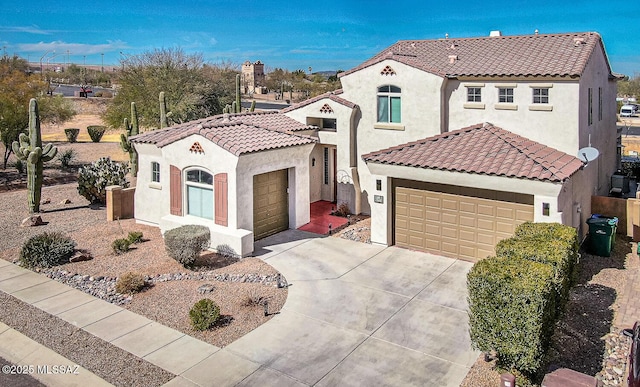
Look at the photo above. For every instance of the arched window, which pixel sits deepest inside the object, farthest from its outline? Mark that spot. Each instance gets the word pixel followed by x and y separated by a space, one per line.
pixel 389 106
pixel 199 188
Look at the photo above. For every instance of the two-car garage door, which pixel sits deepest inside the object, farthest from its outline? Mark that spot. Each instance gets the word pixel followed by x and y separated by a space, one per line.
pixel 458 226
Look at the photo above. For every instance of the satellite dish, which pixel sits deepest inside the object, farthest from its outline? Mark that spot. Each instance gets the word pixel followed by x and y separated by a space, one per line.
pixel 588 154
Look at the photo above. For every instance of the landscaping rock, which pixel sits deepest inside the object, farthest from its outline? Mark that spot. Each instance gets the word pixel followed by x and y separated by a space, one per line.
pixel 32 221
pixel 65 201
pixel 206 288
pixel 80 256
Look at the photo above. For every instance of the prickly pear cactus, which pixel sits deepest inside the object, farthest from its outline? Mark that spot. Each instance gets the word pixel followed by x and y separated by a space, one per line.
pixel 126 145
pixel 29 148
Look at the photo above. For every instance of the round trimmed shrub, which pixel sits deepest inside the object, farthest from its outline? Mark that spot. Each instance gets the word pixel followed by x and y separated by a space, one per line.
pixel 135 237
pixel 72 134
pixel 185 243
pixel 96 132
pixel 130 283
pixel 46 250
pixel 94 179
pixel 204 314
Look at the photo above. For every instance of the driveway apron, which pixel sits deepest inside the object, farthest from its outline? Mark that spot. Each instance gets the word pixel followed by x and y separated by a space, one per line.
pixel 360 314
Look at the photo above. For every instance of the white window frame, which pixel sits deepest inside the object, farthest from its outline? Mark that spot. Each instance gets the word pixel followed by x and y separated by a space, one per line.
pixel 202 188
pixel 474 94
pixel 155 172
pixel 391 94
pixel 505 95
pixel 543 96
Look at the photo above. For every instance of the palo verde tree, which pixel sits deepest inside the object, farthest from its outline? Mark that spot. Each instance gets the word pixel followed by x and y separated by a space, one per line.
pixel 17 87
pixel 29 148
pixel 190 95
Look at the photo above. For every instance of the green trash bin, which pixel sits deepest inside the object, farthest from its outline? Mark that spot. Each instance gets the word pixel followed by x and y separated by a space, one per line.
pixel 601 235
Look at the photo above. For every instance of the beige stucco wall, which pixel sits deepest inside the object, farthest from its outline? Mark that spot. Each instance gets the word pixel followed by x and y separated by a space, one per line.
pixel 296 160
pixel 339 139
pixel 421 107
pixel 152 201
pixel 540 126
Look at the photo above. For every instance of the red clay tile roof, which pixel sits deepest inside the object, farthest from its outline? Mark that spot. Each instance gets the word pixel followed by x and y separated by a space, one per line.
pixel 482 149
pixel 237 133
pixel 504 56
pixel 332 95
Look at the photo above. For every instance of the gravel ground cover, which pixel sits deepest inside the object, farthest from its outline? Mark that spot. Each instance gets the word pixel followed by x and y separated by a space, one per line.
pixel 240 287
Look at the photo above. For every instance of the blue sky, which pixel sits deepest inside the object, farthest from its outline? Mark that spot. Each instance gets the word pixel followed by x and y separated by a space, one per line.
pixel 326 35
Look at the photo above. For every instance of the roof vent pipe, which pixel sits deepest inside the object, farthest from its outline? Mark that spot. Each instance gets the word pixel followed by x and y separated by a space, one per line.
pixel 495 33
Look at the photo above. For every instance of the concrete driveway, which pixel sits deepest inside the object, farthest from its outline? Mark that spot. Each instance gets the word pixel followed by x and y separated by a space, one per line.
pixel 356 315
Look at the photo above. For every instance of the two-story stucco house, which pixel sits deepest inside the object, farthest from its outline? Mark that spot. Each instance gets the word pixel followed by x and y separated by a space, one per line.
pixel 448 144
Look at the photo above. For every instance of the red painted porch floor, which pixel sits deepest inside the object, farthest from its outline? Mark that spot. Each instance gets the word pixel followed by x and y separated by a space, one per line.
pixel 321 218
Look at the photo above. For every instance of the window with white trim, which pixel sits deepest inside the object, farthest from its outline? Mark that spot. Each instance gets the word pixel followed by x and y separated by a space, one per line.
pixel 155 172
pixel 199 187
pixel 540 95
pixel 389 104
pixel 474 94
pixel 505 95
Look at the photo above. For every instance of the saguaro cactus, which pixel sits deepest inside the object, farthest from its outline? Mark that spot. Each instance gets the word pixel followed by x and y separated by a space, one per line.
pixel 164 122
pixel 29 148
pixel 236 106
pixel 126 145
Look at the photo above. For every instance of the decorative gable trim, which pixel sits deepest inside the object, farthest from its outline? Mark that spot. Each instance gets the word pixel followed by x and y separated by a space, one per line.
pixel 388 71
pixel 196 148
pixel 326 108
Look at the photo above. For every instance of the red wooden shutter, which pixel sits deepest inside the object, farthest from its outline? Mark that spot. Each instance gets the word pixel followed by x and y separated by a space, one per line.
pixel 220 187
pixel 175 190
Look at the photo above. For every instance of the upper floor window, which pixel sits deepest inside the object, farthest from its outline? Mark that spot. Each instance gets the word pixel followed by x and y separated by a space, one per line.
pixel 590 106
pixel 474 94
pixel 540 95
pixel 155 172
pixel 199 187
pixel 505 95
pixel 599 103
pixel 389 104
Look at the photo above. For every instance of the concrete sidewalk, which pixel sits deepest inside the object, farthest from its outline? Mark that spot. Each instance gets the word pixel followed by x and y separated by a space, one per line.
pixel 356 314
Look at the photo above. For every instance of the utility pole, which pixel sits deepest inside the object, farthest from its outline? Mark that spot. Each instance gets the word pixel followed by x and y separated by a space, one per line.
pixel 102 66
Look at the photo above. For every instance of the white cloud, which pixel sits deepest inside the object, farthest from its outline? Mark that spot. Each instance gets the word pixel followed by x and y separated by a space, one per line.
pixel 27 29
pixel 75 48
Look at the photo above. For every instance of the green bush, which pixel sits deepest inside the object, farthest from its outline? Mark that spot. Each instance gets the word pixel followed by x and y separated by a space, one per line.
pixel 555 253
pixel 120 246
pixel 67 157
pixel 96 132
pixel 72 134
pixel 135 237
pixel 94 179
pixel 204 314
pixel 46 250
pixel 549 231
pixel 185 243
pixel 512 311
pixel 130 283
pixel 550 243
